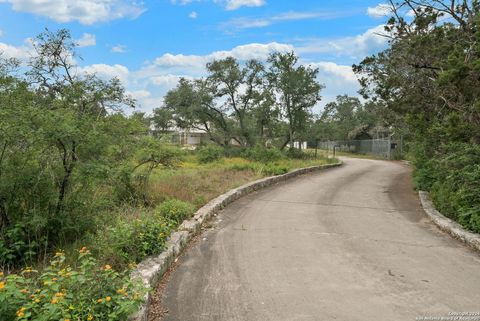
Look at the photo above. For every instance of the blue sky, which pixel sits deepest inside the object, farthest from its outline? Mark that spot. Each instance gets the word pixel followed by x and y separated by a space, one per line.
pixel 150 44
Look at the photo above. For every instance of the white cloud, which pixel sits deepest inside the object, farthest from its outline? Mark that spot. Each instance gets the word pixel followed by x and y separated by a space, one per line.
pixel 139 94
pixel 108 71
pixel 9 51
pixel 237 4
pixel 168 81
pixel 86 40
pixel 355 47
pixel 84 11
pixel 246 23
pixel 379 11
pixel 228 4
pixel 182 2
pixel 193 15
pixel 338 80
pixel 335 71
pixel 119 49
pixel 244 52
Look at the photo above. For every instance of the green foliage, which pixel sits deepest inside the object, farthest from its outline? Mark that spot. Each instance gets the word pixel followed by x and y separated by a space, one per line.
pixel 247 103
pixel 268 169
pixel 274 169
pixel 429 80
pixel 234 151
pixel 63 292
pixel 209 153
pixel 453 180
pixel 262 154
pixel 133 239
pixel 175 210
pixel 298 91
pixel 298 154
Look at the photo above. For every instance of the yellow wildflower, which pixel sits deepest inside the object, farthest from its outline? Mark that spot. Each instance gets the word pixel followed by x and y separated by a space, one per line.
pixel 2 285
pixel 54 301
pixel 99 300
pixel 84 250
pixel 90 317
pixel 37 301
pixel 59 294
pixel 108 299
pixel 107 267
pixel 20 313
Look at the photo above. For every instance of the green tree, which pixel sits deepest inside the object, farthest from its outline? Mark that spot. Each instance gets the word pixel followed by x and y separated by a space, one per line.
pixel 297 89
pixel 241 87
pixel 428 79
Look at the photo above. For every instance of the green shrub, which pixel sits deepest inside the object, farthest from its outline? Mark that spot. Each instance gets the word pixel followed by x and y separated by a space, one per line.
pixel 234 151
pixel 175 210
pixel 132 240
pixel 273 169
pixel 61 292
pixel 245 167
pixel 16 246
pixel 297 154
pixel 262 154
pixel 452 178
pixel 209 153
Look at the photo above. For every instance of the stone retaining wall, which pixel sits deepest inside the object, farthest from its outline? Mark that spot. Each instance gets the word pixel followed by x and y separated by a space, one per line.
pixel 448 225
pixel 152 269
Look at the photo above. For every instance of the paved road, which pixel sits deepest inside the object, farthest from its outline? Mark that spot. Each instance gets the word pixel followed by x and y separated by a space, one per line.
pixel 350 243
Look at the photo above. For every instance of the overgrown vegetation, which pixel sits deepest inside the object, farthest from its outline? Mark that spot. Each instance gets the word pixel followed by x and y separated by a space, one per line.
pixel 429 80
pixel 75 171
pixel 62 292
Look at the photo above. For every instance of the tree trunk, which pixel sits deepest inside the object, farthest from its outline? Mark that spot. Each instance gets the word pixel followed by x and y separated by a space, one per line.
pixel 69 160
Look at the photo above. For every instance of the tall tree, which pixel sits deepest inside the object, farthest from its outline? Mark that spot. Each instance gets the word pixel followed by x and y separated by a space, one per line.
pixel 297 89
pixel 241 87
pixel 193 106
pixel 84 98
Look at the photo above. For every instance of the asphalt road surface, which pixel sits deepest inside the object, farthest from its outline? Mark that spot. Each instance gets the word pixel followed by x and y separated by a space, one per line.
pixel 350 243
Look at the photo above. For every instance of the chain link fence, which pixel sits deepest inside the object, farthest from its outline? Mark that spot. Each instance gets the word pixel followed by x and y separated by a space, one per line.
pixel 380 148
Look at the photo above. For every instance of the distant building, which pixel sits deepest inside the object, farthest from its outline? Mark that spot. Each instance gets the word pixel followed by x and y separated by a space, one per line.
pixel 181 136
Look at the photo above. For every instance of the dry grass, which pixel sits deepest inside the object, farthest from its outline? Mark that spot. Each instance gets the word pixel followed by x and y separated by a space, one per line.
pixel 199 183
pixel 197 186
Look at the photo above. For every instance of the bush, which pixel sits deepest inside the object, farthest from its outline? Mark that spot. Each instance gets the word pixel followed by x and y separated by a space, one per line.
pixel 246 166
pixel 262 154
pixel 132 240
pixel 175 210
pixel 297 154
pixel 234 151
pixel 273 169
pixel 88 292
pixel 453 181
pixel 209 153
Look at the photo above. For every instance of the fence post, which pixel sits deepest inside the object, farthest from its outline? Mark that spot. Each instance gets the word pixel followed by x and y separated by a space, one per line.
pixel 389 148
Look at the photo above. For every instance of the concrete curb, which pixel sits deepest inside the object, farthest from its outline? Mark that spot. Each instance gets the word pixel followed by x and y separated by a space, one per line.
pixel 448 225
pixel 152 269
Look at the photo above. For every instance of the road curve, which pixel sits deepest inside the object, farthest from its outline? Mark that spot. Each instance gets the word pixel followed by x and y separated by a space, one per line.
pixel 350 243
